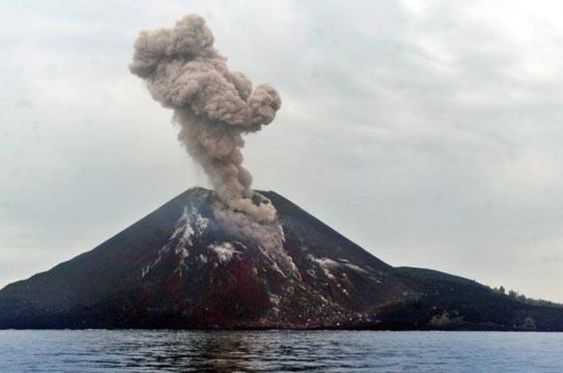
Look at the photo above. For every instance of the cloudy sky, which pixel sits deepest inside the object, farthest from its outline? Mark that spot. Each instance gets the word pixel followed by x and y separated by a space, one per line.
pixel 429 132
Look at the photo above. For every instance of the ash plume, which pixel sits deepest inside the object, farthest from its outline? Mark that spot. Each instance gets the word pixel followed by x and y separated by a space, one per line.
pixel 213 106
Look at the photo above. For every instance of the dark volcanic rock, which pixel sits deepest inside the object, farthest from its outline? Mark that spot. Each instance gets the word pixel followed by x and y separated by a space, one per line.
pixel 179 268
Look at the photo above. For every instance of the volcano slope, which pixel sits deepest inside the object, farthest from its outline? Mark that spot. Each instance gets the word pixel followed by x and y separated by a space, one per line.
pixel 179 268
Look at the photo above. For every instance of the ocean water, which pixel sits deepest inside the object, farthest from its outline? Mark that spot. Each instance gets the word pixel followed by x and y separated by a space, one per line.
pixel 279 351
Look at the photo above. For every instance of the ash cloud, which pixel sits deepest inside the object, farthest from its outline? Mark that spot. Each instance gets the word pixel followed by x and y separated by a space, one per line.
pixel 212 105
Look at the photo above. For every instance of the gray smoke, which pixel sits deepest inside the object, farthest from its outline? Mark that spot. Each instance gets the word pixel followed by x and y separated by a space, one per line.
pixel 269 237
pixel 213 106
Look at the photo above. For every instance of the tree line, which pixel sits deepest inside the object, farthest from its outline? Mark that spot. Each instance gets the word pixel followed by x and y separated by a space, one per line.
pixel 524 299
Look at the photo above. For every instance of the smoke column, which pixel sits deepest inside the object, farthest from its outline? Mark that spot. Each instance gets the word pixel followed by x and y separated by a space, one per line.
pixel 213 106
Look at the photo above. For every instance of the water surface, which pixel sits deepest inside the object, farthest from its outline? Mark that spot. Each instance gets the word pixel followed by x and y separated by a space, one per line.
pixel 322 351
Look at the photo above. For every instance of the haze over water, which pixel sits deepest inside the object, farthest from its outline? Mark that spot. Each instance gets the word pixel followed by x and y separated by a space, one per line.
pixel 322 351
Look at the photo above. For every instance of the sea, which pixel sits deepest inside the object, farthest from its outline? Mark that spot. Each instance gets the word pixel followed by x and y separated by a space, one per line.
pixel 278 351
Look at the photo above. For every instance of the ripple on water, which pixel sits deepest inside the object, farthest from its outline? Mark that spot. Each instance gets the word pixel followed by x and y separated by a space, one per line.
pixel 334 351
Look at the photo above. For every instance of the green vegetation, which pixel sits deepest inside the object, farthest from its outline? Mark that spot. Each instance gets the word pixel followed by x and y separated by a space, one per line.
pixel 529 323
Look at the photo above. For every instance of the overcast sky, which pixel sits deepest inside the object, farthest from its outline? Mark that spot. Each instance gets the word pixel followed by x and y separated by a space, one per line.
pixel 429 132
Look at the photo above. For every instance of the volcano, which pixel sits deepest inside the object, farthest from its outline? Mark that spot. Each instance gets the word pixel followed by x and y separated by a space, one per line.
pixel 178 268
